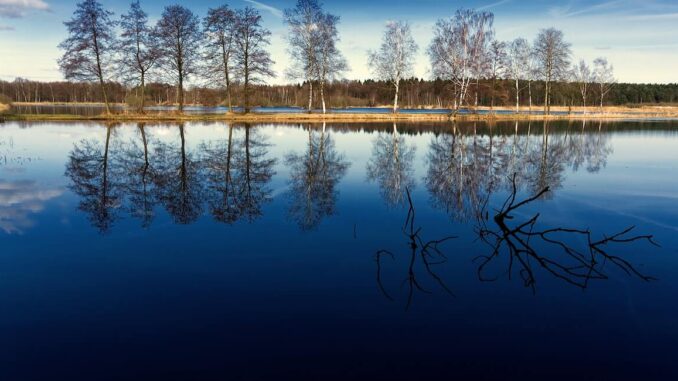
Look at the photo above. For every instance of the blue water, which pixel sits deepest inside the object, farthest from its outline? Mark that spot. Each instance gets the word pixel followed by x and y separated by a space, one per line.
pixel 249 251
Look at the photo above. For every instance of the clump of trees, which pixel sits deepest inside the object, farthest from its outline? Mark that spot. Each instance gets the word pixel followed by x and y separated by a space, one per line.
pixel 109 60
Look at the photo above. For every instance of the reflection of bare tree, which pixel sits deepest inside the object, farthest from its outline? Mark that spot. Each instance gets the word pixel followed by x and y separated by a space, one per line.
pixel 238 171
pixel 518 244
pixel 426 254
pixel 89 169
pixel 545 165
pixel 177 180
pixel 136 174
pixel 314 177
pixel 391 166
pixel 466 168
pixel 220 169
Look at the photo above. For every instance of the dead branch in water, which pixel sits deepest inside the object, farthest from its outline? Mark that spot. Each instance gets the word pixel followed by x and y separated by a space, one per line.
pixel 576 266
pixel 426 253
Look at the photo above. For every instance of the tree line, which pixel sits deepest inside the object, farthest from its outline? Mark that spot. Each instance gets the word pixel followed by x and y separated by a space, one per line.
pixel 223 58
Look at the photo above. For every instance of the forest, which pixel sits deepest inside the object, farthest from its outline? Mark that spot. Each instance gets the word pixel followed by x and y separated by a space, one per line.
pixel 223 59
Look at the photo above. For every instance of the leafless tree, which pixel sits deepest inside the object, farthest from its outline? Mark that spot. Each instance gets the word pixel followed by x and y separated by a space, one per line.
pixel 583 77
pixel 552 53
pixel 498 59
pixel 303 38
pixel 252 60
pixel 603 75
pixel 179 40
pixel 330 63
pixel 89 48
pixel 219 29
pixel 137 49
pixel 519 65
pixel 458 48
pixel 394 60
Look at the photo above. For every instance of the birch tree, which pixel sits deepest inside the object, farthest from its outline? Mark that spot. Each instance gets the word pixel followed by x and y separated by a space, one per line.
pixel 137 49
pixel 553 60
pixel 89 48
pixel 603 74
pixel 458 44
pixel 394 61
pixel 330 63
pixel 219 29
pixel 583 77
pixel 252 60
pixel 303 38
pixel 519 67
pixel 179 39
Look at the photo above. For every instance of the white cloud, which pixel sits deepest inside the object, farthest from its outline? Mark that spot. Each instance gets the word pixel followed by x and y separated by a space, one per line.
pixel 19 8
pixel 264 7
pixel 6 28
pixel 493 5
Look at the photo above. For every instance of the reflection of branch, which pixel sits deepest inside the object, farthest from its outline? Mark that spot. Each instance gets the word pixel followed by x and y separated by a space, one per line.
pixel 574 266
pixel 427 252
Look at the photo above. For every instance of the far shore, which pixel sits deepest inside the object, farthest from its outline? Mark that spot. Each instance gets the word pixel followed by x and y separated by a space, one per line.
pixel 496 114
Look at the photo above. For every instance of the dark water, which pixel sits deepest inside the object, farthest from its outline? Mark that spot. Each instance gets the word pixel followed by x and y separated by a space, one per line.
pixel 226 252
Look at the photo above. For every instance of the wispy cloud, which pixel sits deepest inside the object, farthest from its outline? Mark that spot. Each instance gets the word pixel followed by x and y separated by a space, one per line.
pixel 19 8
pixel 6 28
pixel 654 17
pixel 571 10
pixel 493 5
pixel 264 7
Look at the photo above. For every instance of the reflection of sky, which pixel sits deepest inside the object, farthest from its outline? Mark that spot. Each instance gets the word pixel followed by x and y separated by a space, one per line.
pixel 19 200
pixel 639 37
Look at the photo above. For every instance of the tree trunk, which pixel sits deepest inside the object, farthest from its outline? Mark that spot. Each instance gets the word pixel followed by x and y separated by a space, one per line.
pixel 310 96
pixel 529 90
pixel 395 100
pixel 143 93
pixel 322 96
pixel 517 97
pixel 547 109
pixel 181 93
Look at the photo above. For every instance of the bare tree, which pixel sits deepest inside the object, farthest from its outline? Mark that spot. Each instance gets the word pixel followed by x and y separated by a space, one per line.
pixel 179 40
pixel 498 59
pixel 330 63
pixel 458 44
pixel 519 64
pixel 553 60
pixel 252 60
pixel 137 49
pixel 394 60
pixel 219 29
pixel 89 46
pixel 584 77
pixel 603 75
pixel 303 21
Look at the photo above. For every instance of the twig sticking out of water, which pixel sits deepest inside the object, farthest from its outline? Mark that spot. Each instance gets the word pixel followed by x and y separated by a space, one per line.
pixel 427 253
pixel 568 263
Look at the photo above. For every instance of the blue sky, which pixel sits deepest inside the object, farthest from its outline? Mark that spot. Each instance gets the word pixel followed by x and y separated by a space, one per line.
pixel 640 37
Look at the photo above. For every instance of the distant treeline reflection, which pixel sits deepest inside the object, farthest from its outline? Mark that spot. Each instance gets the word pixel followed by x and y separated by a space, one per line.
pixel 229 178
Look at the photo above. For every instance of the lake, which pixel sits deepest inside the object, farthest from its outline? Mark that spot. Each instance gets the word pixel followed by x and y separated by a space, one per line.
pixel 205 251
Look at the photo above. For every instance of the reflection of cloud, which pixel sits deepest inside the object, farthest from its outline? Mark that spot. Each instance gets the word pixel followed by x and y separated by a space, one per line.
pixel 19 8
pixel 20 199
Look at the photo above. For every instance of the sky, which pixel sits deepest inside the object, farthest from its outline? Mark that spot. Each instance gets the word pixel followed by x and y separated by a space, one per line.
pixel 639 37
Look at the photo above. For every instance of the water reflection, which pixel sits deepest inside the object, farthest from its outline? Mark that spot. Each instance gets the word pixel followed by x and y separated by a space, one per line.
pixel 19 200
pixel 314 177
pixel 229 177
pixel 392 166
pixel 89 168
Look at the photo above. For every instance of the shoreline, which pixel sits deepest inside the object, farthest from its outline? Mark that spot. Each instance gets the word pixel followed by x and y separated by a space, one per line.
pixel 319 118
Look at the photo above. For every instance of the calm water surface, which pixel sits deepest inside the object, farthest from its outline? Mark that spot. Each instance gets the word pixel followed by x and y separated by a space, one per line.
pixel 216 251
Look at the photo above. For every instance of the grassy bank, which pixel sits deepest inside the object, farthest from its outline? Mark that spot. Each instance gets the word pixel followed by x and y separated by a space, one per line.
pixel 504 114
